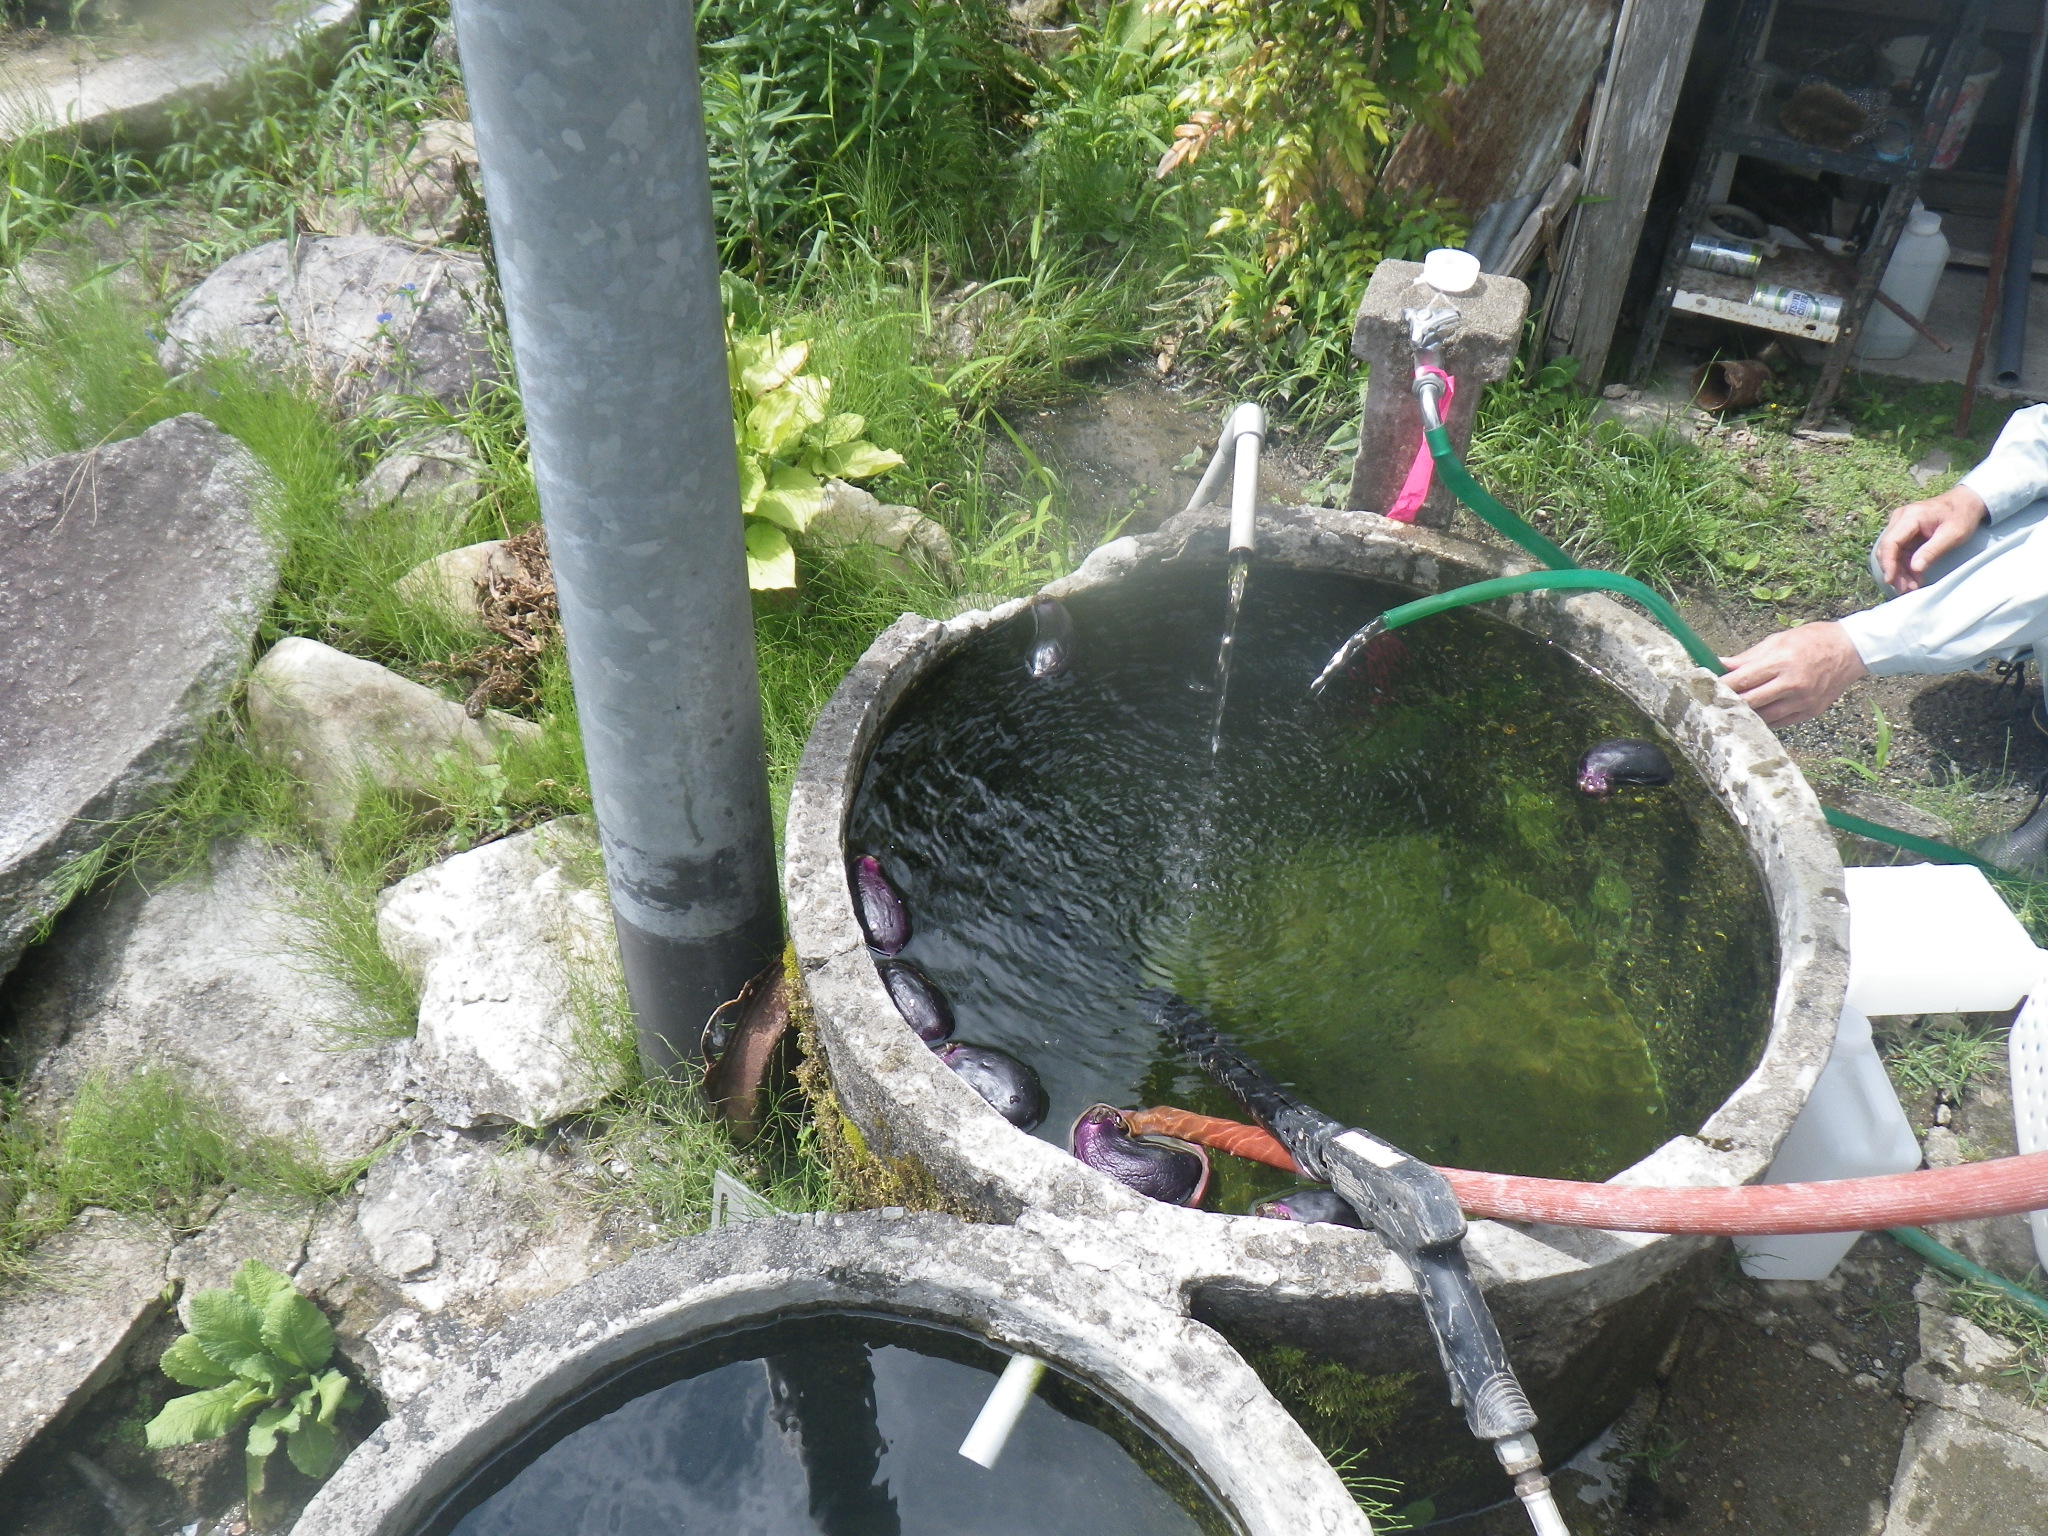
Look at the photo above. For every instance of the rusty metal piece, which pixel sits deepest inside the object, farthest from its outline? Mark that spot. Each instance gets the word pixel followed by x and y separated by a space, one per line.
pixel 1729 384
pixel 753 1069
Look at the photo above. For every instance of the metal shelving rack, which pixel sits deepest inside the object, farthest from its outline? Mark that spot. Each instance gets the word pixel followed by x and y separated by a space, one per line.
pixel 1745 123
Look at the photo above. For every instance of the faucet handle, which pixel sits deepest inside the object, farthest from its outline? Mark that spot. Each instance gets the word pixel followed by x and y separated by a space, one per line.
pixel 1430 328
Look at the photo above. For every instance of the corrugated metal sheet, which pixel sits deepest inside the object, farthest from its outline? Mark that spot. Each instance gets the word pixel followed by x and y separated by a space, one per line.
pixel 1508 128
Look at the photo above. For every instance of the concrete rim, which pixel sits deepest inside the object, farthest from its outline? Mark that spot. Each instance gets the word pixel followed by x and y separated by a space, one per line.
pixel 1015 1290
pixel 907 1104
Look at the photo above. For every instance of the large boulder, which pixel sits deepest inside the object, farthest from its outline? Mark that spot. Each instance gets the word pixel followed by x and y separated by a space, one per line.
pixel 340 723
pixel 511 945
pixel 356 317
pixel 131 580
pixel 215 978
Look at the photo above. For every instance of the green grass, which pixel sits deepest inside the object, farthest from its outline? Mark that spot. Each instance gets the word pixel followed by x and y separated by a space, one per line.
pixel 1943 1052
pixel 144 1145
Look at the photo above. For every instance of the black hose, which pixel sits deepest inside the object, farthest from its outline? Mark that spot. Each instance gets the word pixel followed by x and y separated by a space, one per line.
pixel 1301 1130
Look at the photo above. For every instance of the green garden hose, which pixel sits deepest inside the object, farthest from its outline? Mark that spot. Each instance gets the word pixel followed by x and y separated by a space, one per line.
pixel 1937 1253
pixel 1573 580
pixel 1486 509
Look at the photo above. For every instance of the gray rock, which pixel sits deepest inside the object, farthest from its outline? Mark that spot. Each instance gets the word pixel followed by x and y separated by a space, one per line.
pixel 247 1226
pixel 500 940
pixel 209 977
pixel 63 1334
pixel 449 1236
pixel 131 579
pixel 910 542
pixel 453 582
pixel 340 723
pixel 417 195
pixel 1959 1474
pixel 437 472
pixel 357 317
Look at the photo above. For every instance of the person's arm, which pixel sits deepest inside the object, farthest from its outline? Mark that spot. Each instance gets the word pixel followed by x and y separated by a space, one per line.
pixel 2015 473
pixel 1794 675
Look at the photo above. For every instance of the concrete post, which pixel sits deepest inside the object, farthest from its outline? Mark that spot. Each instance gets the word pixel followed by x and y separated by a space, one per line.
pixel 1479 354
pixel 591 138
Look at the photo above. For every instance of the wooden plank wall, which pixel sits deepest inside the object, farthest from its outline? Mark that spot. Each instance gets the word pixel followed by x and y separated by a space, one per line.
pixel 1625 144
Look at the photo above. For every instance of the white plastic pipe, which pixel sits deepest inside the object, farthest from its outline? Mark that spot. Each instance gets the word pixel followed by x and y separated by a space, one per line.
pixel 1005 1406
pixel 1248 430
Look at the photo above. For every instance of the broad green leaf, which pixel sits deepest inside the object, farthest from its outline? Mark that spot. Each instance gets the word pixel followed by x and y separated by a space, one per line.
pixel 813 396
pixel 314 1448
pixel 256 1282
pixel 771 563
pixel 792 499
pixel 200 1416
pixel 254 1473
pixel 264 1431
pixel 752 481
pixel 190 1366
pixel 834 430
pixel 857 461
pixel 331 1388
pixel 774 367
pixel 296 1332
pixel 267 1370
pixel 226 1326
pixel 775 423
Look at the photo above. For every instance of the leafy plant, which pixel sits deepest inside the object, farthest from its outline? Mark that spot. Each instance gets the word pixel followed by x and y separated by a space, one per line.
pixel 790 442
pixel 257 1347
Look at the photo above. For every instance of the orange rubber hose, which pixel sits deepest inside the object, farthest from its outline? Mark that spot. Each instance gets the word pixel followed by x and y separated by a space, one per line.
pixel 2001 1187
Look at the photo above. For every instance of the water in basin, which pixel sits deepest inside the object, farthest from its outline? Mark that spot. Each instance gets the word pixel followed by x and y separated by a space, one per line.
pixel 1393 894
pixel 841 1425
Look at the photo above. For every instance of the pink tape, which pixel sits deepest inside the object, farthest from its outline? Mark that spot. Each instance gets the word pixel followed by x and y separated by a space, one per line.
pixel 1415 489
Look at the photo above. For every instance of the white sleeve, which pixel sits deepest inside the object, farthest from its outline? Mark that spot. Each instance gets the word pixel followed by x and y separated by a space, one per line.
pixel 2015 473
pixel 1993 605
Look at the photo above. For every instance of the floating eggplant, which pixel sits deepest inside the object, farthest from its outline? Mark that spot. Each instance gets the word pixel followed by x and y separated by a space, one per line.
pixel 1052 638
pixel 1010 1087
pixel 883 917
pixel 1176 1172
pixel 923 1005
pixel 1313 1205
pixel 1623 761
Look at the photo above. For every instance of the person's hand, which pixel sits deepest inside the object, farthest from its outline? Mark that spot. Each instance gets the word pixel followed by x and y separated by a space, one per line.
pixel 1795 674
pixel 1921 532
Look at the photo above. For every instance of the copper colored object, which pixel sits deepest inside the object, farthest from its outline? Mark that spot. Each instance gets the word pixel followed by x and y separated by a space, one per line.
pixel 752 1071
pixel 1729 384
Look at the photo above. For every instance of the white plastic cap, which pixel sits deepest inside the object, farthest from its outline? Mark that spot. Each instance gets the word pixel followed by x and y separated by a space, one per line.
pixel 1923 223
pixel 1449 271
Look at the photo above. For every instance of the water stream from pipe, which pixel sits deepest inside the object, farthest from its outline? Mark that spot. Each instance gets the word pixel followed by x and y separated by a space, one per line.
pixel 1240 574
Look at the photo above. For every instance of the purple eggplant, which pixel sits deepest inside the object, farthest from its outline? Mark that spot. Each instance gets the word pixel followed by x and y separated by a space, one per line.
pixel 1052 638
pixel 923 1005
pixel 883 917
pixel 1012 1088
pixel 1314 1205
pixel 1625 760
pixel 1176 1172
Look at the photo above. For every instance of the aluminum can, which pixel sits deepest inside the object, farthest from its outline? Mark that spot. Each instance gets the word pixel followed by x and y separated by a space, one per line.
pixel 1797 302
pixel 1719 253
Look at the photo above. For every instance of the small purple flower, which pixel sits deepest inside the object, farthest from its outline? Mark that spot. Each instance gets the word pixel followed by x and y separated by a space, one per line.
pixel 408 287
pixel 385 318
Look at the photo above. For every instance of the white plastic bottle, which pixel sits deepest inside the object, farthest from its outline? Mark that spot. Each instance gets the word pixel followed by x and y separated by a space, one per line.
pixel 1916 267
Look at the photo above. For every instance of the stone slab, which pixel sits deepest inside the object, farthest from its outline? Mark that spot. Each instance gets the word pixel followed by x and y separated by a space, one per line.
pixel 63 1334
pixel 210 977
pixel 1959 1475
pixel 131 580
pixel 100 90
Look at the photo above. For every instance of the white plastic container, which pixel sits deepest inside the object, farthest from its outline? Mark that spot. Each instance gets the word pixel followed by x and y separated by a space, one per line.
pixel 1923 938
pixel 1911 277
pixel 2029 1056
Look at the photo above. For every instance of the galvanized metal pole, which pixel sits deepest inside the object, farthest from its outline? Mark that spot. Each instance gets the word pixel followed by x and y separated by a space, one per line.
pixel 591 137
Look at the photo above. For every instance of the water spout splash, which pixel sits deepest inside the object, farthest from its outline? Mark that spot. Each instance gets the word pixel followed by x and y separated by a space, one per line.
pixel 1346 652
pixel 1240 573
